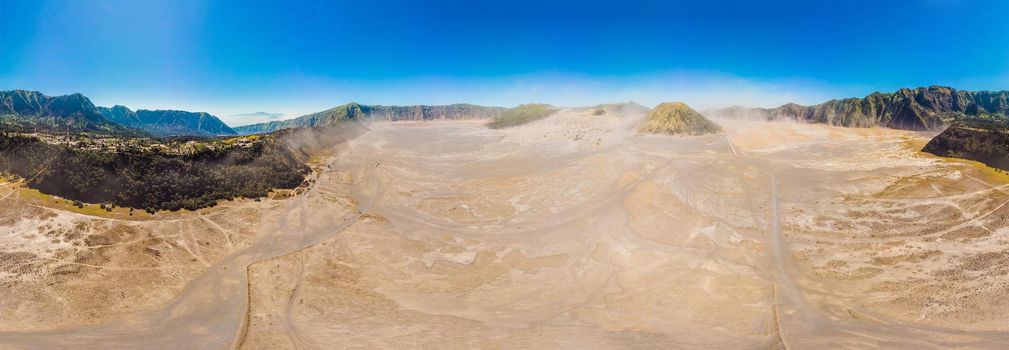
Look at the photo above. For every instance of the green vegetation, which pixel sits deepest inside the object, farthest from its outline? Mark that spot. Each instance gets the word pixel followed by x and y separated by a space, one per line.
pixel 677 118
pixel 34 112
pixel 154 178
pixel 52 124
pixel 31 111
pixel 984 139
pixel 521 115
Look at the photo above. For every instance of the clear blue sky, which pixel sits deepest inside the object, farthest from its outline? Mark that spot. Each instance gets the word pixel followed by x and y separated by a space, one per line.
pixel 290 58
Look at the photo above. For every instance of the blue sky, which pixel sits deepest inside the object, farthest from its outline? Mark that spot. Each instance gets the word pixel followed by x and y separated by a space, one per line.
pixel 237 58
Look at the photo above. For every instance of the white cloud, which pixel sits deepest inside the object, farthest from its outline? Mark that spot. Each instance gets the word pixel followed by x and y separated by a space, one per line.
pixel 251 118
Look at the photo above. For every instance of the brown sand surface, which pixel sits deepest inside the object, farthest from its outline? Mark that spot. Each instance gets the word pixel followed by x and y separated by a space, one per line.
pixel 574 231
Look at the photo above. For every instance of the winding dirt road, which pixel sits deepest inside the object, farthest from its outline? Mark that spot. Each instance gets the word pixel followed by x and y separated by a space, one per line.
pixel 210 312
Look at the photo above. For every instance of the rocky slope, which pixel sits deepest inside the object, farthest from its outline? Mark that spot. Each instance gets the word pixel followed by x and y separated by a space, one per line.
pixel 421 112
pixel 25 110
pixel 155 180
pixel 353 111
pixel 923 108
pixel 676 118
pixel 982 140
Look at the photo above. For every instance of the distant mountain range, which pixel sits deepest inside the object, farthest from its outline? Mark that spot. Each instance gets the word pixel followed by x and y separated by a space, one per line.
pixel 924 108
pixel 121 115
pixel 31 110
pixel 355 111
pixel 626 108
pixel 168 122
pixel 34 111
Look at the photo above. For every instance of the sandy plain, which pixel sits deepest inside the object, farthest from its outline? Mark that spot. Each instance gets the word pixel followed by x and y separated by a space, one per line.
pixel 575 231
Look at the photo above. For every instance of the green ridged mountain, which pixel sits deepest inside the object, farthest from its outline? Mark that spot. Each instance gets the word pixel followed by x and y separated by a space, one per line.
pixel 182 123
pixel 163 123
pixel 121 115
pixel 33 111
pixel 25 110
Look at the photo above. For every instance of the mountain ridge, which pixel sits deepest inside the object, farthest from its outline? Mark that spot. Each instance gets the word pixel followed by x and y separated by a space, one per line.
pixel 922 108
pixel 355 111
pixel 170 122
pixel 122 115
pixel 33 110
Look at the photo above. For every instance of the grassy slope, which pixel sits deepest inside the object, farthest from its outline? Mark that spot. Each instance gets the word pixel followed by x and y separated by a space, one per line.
pixel 677 118
pixel 521 115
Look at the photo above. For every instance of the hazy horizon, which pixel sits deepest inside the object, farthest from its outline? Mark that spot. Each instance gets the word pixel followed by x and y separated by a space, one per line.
pixel 236 60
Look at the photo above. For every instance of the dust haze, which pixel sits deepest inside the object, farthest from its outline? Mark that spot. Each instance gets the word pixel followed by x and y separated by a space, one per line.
pixel 573 231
